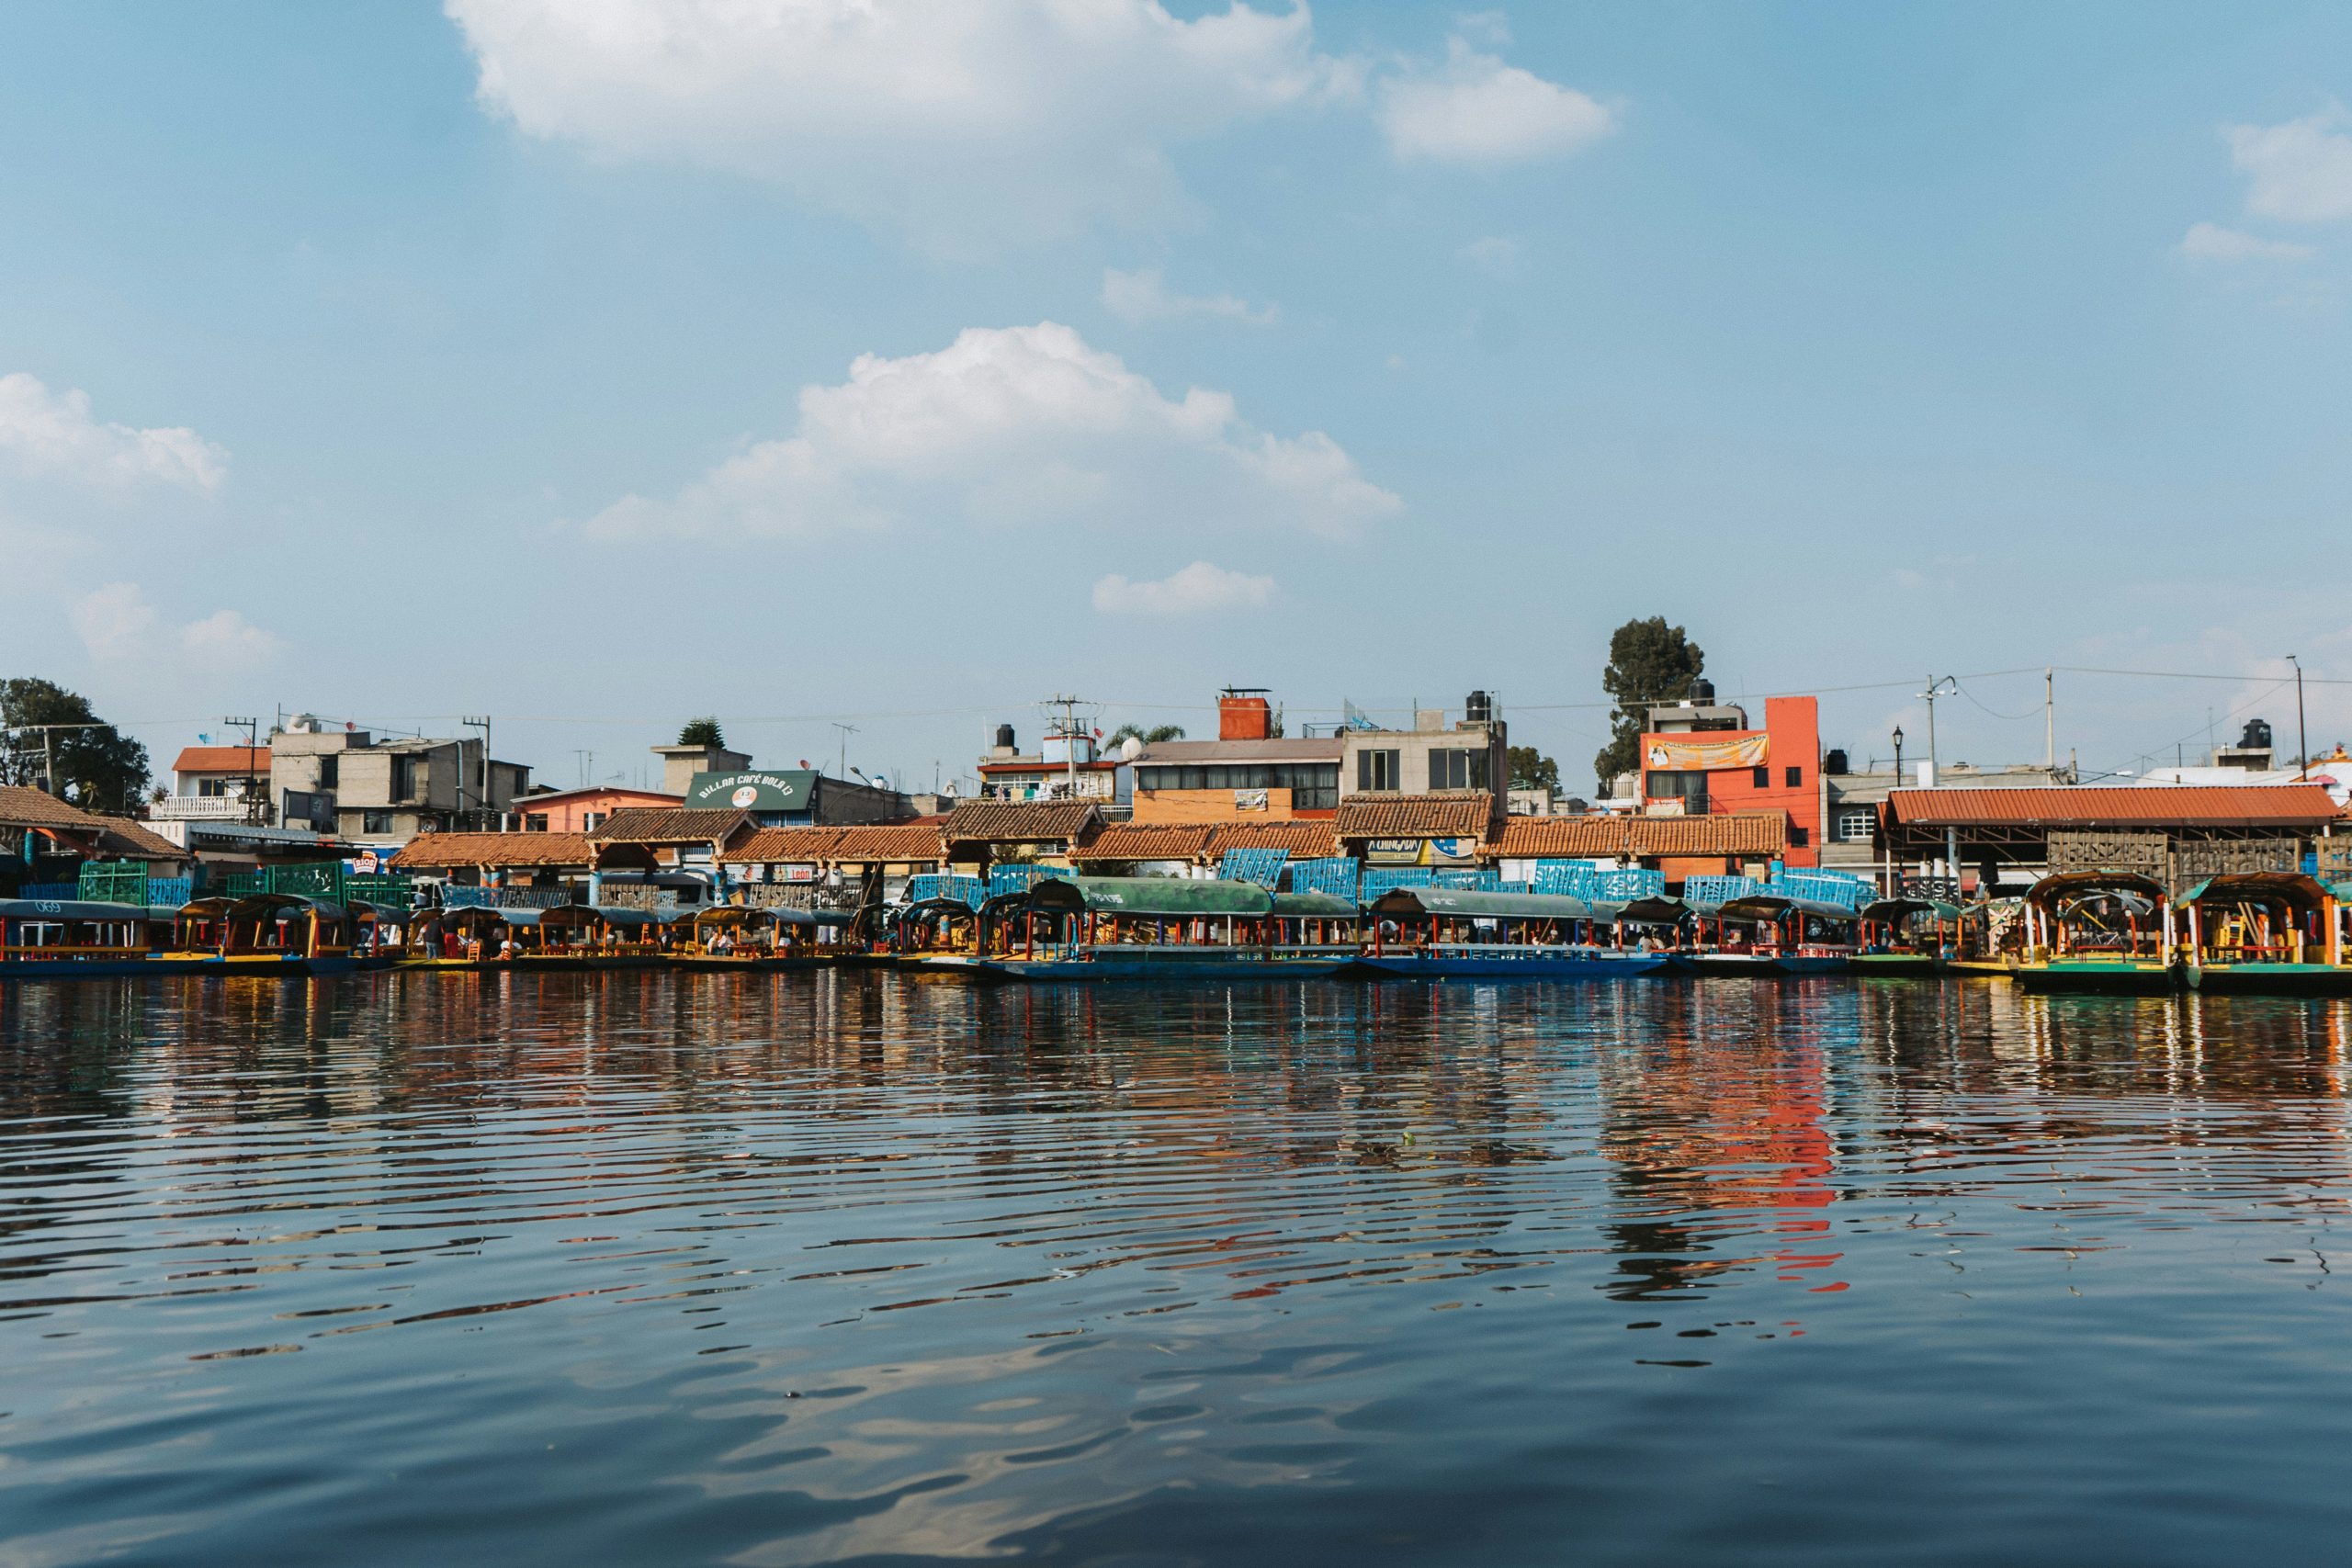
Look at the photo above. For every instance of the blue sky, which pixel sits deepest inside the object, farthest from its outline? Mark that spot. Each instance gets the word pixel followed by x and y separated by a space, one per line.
pixel 598 364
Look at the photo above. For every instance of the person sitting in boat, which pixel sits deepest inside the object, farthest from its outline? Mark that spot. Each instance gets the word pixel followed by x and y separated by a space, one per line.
pixel 722 944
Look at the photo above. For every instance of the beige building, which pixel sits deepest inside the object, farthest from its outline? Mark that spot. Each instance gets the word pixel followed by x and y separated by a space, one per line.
pixel 1437 756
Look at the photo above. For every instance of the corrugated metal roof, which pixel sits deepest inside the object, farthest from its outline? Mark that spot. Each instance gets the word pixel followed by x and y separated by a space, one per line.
pixel 2186 805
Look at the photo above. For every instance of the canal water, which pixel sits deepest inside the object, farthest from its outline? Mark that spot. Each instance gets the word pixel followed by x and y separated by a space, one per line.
pixel 850 1268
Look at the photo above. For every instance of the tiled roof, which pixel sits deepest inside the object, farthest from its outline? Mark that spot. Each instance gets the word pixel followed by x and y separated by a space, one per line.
pixel 874 843
pixel 2166 806
pixel 1131 841
pixel 222 760
pixel 1740 833
pixel 1018 821
pixel 782 846
pixel 23 807
pixel 1304 841
pixel 670 825
pixel 1454 816
pixel 438 850
pixel 124 837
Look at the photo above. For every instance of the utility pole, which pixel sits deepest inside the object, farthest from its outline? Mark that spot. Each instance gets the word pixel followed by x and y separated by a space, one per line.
pixel 1936 688
pixel 2303 743
pixel 252 740
pixel 1069 738
pixel 847 730
pixel 2048 720
pixel 481 724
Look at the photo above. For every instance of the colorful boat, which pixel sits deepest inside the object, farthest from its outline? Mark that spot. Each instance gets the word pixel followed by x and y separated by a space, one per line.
pixel 1896 942
pixel 73 939
pixel 2098 931
pixel 1773 933
pixel 279 934
pixel 1445 934
pixel 756 937
pixel 2273 932
pixel 1091 929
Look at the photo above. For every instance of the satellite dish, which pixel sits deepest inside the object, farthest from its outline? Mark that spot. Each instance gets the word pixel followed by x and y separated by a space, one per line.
pixel 1131 747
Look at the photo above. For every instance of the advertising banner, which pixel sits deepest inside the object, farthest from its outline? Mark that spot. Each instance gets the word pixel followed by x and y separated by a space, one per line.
pixel 1702 756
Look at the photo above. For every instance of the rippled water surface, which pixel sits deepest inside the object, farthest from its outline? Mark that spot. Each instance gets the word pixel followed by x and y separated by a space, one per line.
pixel 653 1269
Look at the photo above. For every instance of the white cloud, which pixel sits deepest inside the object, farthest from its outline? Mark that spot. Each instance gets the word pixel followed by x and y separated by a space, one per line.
pixel 1475 109
pixel 225 637
pixel 969 123
pixel 1495 255
pixel 2211 241
pixel 2301 170
pixel 48 434
pixel 1199 589
pixel 1141 297
pixel 118 624
pixel 114 622
pixel 1006 425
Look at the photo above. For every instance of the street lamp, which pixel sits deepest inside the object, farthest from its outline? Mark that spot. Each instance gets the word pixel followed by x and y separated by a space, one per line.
pixel 1898 754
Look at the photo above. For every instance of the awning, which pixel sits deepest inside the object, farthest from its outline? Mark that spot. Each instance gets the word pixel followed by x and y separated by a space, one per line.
pixel 1313 906
pixel 1475 904
pixel 2291 888
pixel 2130 884
pixel 71 909
pixel 1889 911
pixel 1778 905
pixel 1174 897
pixel 624 919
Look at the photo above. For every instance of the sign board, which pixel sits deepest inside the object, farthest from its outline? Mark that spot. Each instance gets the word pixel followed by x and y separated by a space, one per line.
pixel 1700 756
pixel 785 789
pixel 1249 800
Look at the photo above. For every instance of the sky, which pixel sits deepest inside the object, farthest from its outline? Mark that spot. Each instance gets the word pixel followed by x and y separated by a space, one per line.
pixel 596 364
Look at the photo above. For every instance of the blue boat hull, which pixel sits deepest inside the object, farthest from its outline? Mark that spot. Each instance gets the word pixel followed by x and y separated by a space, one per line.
pixel 1594 965
pixel 1162 965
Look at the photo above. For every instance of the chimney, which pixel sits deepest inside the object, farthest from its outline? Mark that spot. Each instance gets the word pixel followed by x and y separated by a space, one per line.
pixel 1243 714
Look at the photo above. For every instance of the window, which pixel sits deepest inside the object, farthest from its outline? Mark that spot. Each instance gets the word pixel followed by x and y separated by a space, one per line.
pixel 1689 788
pixel 592 820
pixel 403 777
pixel 1376 770
pixel 1796 778
pixel 1799 836
pixel 1856 827
pixel 329 765
pixel 375 822
pixel 1763 778
pixel 1458 770
pixel 535 822
pixel 214 787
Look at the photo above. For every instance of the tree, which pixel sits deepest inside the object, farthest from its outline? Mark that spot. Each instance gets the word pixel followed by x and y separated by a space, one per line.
pixel 1649 662
pixel 1530 769
pixel 703 731
pixel 97 768
pixel 1151 737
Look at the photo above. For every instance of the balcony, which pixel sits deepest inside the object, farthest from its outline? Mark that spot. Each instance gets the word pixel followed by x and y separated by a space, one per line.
pixel 199 809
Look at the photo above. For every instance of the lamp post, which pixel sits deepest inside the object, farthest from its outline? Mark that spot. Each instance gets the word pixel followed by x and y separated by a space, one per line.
pixel 1898 754
pixel 2303 743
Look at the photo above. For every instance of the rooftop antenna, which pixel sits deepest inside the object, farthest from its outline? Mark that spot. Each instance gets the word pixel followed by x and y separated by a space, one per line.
pixel 2303 746
pixel 1069 738
pixel 847 730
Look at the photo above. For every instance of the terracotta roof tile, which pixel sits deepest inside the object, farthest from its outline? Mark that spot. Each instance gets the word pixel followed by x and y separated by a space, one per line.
pixel 136 840
pixel 23 807
pixel 1019 821
pixel 782 846
pixel 434 851
pixel 1740 833
pixel 2131 806
pixel 1304 841
pixel 222 760
pixel 1453 816
pixel 880 842
pixel 670 825
pixel 1132 842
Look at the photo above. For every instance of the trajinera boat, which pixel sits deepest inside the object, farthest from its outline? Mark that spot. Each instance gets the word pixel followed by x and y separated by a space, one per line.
pixel 1154 927
pixel 1446 933
pixel 2281 932
pixel 1906 936
pixel 564 936
pixel 74 939
pixel 1774 933
pixel 265 933
pixel 2098 931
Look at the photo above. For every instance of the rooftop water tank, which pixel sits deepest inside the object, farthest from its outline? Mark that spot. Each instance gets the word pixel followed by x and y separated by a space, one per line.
pixel 1004 737
pixel 2257 736
pixel 1477 708
pixel 1703 689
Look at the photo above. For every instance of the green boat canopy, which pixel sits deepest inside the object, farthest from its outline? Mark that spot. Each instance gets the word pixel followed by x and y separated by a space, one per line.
pixel 1776 906
pixel 2291 888
pixel 1312 906
pixel 1174 897
pixel 1473 904
pixel 1887 911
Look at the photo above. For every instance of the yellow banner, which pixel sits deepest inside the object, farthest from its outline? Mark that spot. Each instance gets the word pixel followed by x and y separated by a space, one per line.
pixel 1698 756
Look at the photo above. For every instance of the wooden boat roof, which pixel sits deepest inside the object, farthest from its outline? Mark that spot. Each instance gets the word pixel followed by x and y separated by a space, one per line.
pixel 1175 896
pixel 1470 903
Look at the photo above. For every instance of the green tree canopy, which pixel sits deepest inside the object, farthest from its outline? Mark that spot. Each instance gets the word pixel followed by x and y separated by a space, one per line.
pixel 1649 662
pixel 1530 769
pixel 1151 737
pixel 97 769
pixel 703 731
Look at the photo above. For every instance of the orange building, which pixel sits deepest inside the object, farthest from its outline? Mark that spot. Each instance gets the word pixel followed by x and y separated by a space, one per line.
pixel 582 810
pixel 1701 759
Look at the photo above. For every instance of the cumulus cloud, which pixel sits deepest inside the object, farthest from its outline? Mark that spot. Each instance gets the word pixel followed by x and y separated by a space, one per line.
pixel 2211 241
pixel 1012 425
pixel 975 122
pixel 52 435
pixel 1199 589
pixel 1142 297
pixel 1475 109
pixel 2301 171
pixel 118 624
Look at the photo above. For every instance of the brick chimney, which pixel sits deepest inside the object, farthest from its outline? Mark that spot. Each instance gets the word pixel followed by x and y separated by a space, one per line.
pixel 1243 715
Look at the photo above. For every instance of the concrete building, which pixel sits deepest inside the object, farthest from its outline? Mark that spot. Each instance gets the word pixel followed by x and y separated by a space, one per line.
pixel 386 793
pixel 584 810
pixel 681 763
pixel 796 797
pixel 1435 757
pixel 1250 773
pixel 1066 767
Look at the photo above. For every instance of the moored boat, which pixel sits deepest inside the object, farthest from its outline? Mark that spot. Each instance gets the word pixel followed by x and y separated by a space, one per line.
pixel 2273 932
pixel 2098 931
pixel 73 939
pixel 1446 933
pixel 1093 928
pixel 1773 933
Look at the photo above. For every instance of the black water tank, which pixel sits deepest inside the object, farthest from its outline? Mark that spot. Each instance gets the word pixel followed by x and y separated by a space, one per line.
pixel 1477 709
pixel 1004 737
pixel 2258 734
pixel 1833 762
pixel 1703 689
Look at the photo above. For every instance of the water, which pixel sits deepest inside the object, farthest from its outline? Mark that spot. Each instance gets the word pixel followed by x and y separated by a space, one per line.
pixel 666 1268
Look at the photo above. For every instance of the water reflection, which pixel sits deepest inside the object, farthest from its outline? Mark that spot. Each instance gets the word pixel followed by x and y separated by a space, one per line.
pixel 798 1268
